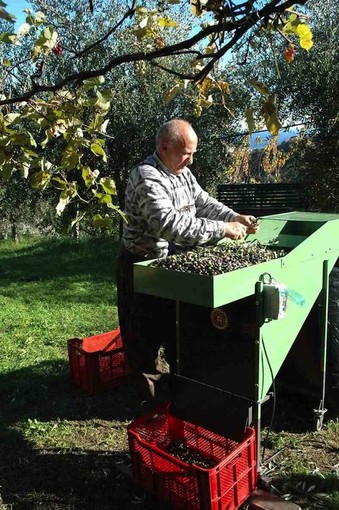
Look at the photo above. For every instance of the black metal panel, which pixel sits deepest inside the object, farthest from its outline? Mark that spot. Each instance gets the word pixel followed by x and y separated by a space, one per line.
pixel 262 199
pixel 216 385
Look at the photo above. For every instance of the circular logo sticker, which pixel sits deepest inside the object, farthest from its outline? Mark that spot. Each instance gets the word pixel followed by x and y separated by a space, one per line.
pixel 219 318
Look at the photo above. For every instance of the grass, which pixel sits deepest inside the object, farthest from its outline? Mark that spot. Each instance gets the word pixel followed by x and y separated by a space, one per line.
pixel 60 448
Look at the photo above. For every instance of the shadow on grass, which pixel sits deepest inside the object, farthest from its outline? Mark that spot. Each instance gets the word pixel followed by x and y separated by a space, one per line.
pixel 46 392
pixel 76 479
pixel 65 478
pixel 51 258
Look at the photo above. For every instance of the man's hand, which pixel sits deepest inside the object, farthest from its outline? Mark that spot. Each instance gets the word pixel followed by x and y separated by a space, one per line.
pixel 234 230
pixel 249 221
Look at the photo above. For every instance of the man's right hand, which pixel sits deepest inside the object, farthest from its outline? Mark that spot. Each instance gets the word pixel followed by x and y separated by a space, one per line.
pixel 234 230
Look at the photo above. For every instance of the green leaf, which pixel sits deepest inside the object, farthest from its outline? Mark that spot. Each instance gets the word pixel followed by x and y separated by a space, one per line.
pixel 9 38
pixel 61 183
pixel 19 139
pixel 39 180
pixel 63 201
pixel 97 149
pixel 90 83
pixel 6 171
pixel 108 185
pixel 40 18
pixel 3 156
pixel 65 197
pixel 101 222
pixel 89 176
pixel 78 219
pixel 11 118
pixel 103 198
pixel 70 159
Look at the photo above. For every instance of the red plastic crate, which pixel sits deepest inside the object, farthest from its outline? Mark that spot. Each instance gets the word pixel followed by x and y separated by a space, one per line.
pixel 189 486
pixel 98 362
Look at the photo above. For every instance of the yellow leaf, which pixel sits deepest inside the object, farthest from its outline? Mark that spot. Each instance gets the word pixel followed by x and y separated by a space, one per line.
pixel 273 124
pixel 304 31
pixel 205 85
pixel 171 93
pixel 166 23
pixel 197 7
pixel 260 87
pixel 206 103
pixel 224 86
pixel 250 120
pixel 306 44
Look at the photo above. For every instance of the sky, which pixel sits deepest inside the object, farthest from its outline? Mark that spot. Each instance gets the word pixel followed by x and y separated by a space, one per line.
pixel 16 7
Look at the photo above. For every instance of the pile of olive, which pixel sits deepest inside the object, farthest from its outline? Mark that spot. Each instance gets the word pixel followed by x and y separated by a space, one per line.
pixel 182 452
pixel 223 258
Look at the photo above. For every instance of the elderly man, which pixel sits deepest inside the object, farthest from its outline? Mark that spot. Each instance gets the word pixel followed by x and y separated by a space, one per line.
pixel 167 211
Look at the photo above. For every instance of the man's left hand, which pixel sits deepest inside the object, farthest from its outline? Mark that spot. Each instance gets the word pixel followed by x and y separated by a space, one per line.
pixel 249 221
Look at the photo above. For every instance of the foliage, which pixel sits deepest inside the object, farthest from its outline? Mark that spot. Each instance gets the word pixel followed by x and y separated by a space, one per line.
pixel 272 163
pixel 50 101
pixel 311 87
pixel 317 161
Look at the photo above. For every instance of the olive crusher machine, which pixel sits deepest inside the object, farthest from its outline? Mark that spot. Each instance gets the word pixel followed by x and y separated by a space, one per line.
pixel 235 330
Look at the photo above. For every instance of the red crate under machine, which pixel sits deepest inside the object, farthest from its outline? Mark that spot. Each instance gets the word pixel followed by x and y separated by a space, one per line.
pixel 225 486
pixel 98 362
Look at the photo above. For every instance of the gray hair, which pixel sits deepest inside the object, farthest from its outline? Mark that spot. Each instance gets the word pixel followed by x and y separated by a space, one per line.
pixel 170 131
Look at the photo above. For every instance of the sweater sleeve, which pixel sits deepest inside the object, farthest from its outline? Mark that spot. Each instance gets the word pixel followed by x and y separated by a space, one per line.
pixel 209 207
pixel 180 227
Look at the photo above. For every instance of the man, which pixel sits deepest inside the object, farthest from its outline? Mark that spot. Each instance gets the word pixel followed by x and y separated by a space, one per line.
pixel 167 211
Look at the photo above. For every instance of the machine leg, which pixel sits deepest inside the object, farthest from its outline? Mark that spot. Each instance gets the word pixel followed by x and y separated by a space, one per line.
pixel 323 317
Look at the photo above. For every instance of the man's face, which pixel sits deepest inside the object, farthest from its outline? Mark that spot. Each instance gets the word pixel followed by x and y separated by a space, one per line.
pixel 177 155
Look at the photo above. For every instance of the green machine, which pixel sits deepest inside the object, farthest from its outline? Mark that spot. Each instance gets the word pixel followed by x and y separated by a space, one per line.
pixel 235 330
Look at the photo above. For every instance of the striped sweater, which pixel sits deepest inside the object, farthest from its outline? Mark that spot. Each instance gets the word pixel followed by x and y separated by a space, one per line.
pixel 163 209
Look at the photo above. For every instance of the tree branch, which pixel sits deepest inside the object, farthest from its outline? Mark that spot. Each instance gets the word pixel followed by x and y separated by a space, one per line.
pixel 129 14
pixel 241 28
